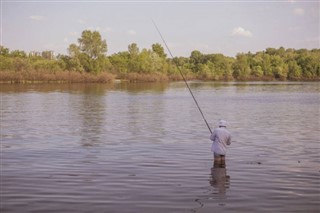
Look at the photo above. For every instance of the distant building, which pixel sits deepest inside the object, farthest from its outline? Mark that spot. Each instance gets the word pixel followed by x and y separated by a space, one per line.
pixel 48 54
pixel 34 53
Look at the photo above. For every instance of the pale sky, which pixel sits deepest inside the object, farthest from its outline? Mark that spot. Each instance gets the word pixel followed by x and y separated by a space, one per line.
pixel 227 27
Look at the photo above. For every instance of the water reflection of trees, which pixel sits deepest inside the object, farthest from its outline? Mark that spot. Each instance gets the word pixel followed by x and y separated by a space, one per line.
pixel 145 116
pixel 89 111
pixel 58 87
pixel 135 88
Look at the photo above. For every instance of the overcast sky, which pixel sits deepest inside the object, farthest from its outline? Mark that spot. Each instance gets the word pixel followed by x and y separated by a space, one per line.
pixel 227 27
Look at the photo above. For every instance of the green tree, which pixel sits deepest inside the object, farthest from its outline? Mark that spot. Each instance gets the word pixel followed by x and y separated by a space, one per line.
pixel 241 67
pixel 205 72
pixel 91 44
pixel 119 62
pixel 310 64
pixel 266 66
pixel 133 49
pixel 220 66
pixel 158 49
pixel 90 54
pixel 279 68
pixel 74 62
pixel 256 65
pixel 4 51
pixel 73 50
pixel 18 53
pixel 134 62
pixel 294 70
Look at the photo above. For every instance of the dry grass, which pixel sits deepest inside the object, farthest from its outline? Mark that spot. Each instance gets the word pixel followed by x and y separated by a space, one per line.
pixel 178 77
pixel 54 77
pixel 137 77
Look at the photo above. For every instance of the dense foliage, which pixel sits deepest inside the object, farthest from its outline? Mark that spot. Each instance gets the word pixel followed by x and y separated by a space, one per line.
pixel 89 57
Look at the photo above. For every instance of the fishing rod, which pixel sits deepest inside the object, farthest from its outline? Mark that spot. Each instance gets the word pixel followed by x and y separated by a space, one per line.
pixel 184 79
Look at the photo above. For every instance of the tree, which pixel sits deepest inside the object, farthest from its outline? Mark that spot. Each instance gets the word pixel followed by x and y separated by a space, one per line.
pixel 73 50
pixel 220 66
pixel 18 53
pixel 134 62
pixel 89 55
pixel 266 65
pixel 256 65
pixel 196 57
pixel 294 70
pixel 133 49
pixel 120 62
pixel 158 49
pixel 279 68
pixel 241 67
pixel 4 51
pixel 91 44
pixel 309 62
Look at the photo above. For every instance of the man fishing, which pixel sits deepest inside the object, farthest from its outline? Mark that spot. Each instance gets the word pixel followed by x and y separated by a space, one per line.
pixel 221 137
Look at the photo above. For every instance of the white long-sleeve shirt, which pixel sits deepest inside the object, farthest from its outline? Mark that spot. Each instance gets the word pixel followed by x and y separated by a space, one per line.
pixel 221 137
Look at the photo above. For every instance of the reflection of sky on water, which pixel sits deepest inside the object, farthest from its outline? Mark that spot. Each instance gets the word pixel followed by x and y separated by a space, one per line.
pixel 146 148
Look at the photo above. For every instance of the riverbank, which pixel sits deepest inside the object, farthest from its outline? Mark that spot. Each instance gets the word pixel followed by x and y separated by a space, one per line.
pixel 34 77
pixel 42 76
pixel 45 76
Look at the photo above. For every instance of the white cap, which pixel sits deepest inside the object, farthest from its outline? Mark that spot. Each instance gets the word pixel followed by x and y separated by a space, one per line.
pixel 222 123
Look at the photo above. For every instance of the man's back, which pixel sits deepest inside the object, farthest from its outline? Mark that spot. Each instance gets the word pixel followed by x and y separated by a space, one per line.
pixel 221 137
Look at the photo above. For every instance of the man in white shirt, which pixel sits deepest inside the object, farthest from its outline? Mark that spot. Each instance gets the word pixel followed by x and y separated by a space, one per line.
pixel 221 137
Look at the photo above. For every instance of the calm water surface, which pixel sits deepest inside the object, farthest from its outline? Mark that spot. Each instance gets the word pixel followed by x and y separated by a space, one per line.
pixel 145 148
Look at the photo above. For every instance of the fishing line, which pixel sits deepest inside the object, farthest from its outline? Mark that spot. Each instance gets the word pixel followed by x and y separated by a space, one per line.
pixel 184 79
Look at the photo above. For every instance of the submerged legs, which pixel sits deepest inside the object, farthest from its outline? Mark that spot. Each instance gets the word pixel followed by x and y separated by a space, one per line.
pixel 219 161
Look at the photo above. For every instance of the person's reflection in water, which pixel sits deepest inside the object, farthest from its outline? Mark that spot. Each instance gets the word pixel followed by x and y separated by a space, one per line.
pixel 219 180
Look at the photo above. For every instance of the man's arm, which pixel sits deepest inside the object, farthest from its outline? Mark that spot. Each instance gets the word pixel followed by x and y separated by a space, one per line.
pixel 229 140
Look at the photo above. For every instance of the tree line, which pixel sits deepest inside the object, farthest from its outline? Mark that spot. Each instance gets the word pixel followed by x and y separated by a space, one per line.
pixel 89 58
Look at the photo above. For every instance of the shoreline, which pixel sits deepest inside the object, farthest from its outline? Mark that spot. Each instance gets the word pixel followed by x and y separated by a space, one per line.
pixel 73 77
pixel 119 81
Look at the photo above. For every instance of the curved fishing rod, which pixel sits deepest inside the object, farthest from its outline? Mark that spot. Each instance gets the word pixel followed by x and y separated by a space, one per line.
pixel 184 79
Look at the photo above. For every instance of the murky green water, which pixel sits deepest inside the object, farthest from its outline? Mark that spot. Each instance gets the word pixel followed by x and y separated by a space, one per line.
pixel 145 148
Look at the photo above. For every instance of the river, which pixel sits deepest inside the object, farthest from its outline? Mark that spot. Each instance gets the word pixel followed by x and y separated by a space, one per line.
pixel 144 147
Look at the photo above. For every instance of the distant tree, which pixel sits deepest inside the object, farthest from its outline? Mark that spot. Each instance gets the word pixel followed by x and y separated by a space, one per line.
pixel 91 44
pixel 159 50
pixel 18 53
pixel 256 64
pixel 90 54
pixel 133 49
pixel 310 64
pixel 279 68
pixel 120 62
pixel 241 67
pixel 205 71
pixel 180 61
pixel 73 50
pixel 220 66
pixel 271 51
pixel 134 62
pixel 266 66
pixel 196 57
pixel 4 51
pixel 294 70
